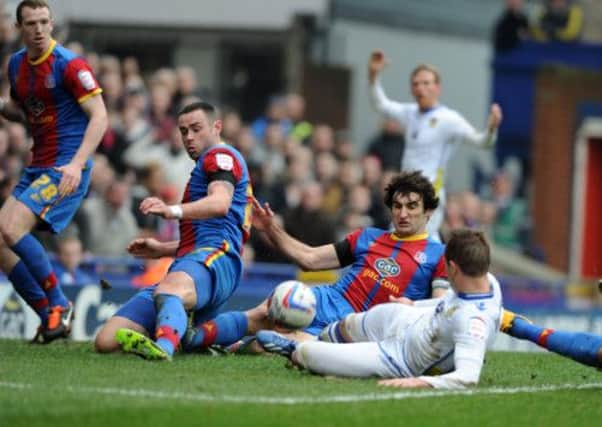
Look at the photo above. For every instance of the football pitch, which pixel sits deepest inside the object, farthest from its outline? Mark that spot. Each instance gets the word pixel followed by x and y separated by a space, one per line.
pixel 66 383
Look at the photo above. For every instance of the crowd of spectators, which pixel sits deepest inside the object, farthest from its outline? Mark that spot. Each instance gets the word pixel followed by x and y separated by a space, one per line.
pixel 552 20
pixel 311 174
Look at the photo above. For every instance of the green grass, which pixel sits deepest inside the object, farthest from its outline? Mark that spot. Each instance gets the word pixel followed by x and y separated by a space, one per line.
pixel 68 384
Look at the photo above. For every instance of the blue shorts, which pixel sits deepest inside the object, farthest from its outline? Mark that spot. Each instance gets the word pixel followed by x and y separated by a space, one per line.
pixel 38 190
pixel 330 307
pixel 214 285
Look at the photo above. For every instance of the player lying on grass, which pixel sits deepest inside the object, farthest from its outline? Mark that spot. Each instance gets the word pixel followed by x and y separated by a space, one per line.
pixel 384 265
pixel 438 343
pixel 214 223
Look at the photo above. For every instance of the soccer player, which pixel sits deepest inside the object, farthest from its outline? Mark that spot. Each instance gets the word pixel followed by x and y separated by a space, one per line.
pixel 437 343
pixel 57 94
pixel 404 263
pixel 432 130
pixel 214 224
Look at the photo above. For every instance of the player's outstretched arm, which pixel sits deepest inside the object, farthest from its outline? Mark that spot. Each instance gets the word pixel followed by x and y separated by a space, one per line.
pixel 215 204
pixel 307 257
pixel 94 108
pixel 486 138
pixel 405 383
pixel 151 248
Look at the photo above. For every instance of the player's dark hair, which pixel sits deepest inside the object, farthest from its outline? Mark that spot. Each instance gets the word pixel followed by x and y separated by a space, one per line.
pixel 32 4
pixel 210 110
pixel 469 250
pixel 412 182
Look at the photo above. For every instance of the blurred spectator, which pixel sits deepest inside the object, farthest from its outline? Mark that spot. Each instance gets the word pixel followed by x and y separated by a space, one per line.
pixel 511 27
pixel 344 148
pixel 67 263
pixel 356 211
pixel 510 229
pixel 160 117
pixel 327 169
pixel 388 144
pixel 111 223
pixel 560 20
pixel 231 126
pixel 372 175
pixel 322 139
pixel 295 107
pixel 307 222
pixel 187 86
pixel 275 114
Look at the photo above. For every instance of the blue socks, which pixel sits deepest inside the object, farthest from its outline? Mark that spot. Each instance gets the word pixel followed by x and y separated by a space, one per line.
pixel 34 256
pixel 225 329
pixel 579 346
pixel 171 321
pixel 27 287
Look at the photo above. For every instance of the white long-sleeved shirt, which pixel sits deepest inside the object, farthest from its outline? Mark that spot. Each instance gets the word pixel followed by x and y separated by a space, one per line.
pixel 446 345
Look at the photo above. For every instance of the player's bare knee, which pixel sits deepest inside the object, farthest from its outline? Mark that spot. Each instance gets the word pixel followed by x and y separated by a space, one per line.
pixel 105 341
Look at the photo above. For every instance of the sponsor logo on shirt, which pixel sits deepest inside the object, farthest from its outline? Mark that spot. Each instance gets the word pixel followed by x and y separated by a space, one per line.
pixel 387 267
pixel 86 79
pixel 477 328
pixel 224 161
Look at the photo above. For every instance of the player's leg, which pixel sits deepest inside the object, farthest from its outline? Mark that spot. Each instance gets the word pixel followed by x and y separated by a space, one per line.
pixel 36 201
pixel 346 360
pixel 226 328
pixel 137 314
pixel 22 280
pixel 580 346
pixel 379 323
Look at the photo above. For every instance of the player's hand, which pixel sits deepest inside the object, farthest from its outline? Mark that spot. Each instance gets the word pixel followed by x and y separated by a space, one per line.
pixel 401 300
pixel 145 247
pixel 155 206
pixel 263 216
pixel 72 176
pixel 495 117
pixel 405 383
pixel 376 64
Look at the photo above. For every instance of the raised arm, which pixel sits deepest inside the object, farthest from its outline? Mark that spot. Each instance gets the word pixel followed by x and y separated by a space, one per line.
pixel 380 102
pixel 307 257
pixel 486 138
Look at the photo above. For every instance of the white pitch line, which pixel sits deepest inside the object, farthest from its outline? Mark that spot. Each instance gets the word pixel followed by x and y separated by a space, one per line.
pixel 297 400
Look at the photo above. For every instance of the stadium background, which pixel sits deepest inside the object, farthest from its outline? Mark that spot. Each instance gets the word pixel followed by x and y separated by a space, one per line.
pixel 248 55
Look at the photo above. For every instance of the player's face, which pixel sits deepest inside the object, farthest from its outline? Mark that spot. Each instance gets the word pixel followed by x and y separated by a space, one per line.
pixel 425 89
pixel 408 214
pixel 198 132
pixel 36 28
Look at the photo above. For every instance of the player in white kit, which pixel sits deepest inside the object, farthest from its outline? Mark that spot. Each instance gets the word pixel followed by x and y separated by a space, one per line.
pixel 432 130
pixel 438 343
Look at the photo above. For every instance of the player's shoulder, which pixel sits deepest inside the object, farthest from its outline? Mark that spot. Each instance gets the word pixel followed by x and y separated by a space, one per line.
pixel 449 113
pixel 17 57
pixel 62 52
pixel 372 232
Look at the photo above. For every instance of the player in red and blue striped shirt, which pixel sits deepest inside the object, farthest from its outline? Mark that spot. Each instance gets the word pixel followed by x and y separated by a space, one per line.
pixel 55 92
pixel 385 265
pixel 214 224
